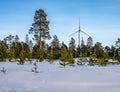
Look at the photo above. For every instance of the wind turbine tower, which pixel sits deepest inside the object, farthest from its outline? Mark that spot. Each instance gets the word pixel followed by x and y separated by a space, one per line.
pixel 79 30
pixel 79 35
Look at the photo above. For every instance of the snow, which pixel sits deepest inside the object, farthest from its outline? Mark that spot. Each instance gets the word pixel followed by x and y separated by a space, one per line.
pixel 55 78
pixel 113 61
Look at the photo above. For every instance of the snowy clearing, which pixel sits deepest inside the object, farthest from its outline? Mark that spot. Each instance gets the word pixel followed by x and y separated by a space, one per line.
pixel 55 78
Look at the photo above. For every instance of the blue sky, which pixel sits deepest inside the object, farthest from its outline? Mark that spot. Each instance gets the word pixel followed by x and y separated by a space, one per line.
pixel 98 18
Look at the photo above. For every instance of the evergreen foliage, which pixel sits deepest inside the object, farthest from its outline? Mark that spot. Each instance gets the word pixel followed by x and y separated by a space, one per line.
pixel 90 42
pixel 27 52
pixel 3 51
pixel 42 55
pixel 66 56
pixel 102 61
pixel 38 53
pixel 117 44
pixel 72 47
pixel 70 58
pixel 51 58
pixel 55 47
pixel 11 54
pixel 84 50
pixel 92 61
pixel 99 50
pixel 22 57
pixel 40 27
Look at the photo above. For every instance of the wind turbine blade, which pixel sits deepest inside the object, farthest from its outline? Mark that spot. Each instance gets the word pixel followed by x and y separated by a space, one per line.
pixel 74 33
pixel 84 33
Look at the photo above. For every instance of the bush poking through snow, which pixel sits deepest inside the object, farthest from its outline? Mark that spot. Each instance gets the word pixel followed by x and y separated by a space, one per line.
pixel 102 62
pixel 62 63
pixel 35 68
pixel 82 61
pixel 92 61
pixel 3 70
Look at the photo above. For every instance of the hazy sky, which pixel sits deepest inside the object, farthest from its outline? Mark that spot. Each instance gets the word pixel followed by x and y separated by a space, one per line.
pixel 98 18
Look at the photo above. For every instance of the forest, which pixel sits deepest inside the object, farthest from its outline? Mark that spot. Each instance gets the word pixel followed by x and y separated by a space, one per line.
pixel 12 49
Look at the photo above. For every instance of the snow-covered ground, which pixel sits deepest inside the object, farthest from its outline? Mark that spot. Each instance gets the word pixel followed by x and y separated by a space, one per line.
pixel 55 78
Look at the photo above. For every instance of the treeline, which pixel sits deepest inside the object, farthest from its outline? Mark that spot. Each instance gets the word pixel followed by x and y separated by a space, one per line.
pixel 11 48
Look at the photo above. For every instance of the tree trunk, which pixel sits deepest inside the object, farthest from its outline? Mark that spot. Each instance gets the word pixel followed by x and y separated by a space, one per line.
pixel 40 44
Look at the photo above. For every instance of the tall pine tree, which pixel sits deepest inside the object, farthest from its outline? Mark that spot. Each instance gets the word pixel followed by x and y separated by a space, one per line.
pixel 40 27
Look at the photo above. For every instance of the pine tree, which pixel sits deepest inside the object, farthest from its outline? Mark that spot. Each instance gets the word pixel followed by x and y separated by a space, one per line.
pixel 35 52
pixel 108 51
pixel 35 67
pixel 89 46
pixel 27 53
pixel 38 53
pixel 102 61
pixel 16 38
pixel 99 50
pixel 22 57
pixel 64 55
pixel 55 47
pixel 72 47
pixel 30 45
pixel 90 42
pixel 51 58
pixel 27 39
pixel 40 27
pixel 11 54
pixel 18 48
pixel 70 58
pixel 117 44
pixel 9 39
pixel 42 55
pixel 83 49
pixel 112 52
pixel 3 51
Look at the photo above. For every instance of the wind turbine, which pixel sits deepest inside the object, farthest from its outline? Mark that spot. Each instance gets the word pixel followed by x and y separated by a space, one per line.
pixel 79 30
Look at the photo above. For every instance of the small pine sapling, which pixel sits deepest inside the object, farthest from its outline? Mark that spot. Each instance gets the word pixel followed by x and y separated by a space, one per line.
pixel 3 70
pixel 35 68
